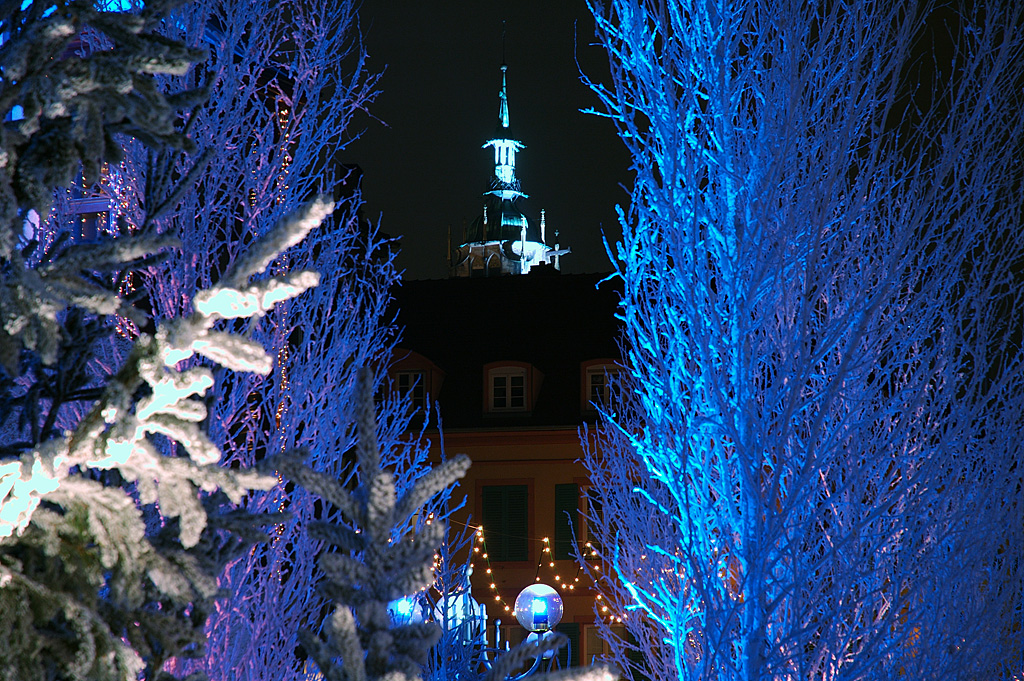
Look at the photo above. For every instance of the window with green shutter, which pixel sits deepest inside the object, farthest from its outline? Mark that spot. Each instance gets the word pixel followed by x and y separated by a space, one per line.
pixel 636 658
pixel 595 517
pixel 505 515
pixel 566 519
pixel 570 655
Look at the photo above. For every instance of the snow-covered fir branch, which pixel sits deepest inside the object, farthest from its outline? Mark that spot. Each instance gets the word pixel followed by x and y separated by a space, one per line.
pixel 62 108
pixel 373 564
pixel 114 433
pixel 105 572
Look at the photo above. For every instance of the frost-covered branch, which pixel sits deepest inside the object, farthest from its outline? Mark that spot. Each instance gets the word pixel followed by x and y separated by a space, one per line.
pixel 376 563
pixel 95 534
pixel 114 433
pixel 286 84
pixel 821 269
pixel 62 109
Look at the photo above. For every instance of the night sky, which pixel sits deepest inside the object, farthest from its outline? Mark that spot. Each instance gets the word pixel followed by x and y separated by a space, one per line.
pixel 424 168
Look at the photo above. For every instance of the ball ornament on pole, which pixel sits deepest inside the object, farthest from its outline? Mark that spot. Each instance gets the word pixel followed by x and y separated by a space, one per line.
pixel 538 607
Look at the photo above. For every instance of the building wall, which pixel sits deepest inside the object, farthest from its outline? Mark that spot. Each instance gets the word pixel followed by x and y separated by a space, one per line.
pixel 554 328
pixel 540 459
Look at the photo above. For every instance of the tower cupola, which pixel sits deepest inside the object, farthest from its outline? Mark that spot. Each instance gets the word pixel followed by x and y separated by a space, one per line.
pixel 504 183
pixel 503 239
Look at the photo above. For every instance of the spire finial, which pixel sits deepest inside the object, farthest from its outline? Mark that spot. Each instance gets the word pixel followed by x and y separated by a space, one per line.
pixel 503 110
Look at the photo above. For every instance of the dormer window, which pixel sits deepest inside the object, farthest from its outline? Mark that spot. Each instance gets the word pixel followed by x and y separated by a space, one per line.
pixel 415 378
pixel 597 380
pixel 412 385
pixel 510 387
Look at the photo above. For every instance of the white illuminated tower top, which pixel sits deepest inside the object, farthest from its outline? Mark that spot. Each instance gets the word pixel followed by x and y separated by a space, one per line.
pixel 505 183
pixel 504 240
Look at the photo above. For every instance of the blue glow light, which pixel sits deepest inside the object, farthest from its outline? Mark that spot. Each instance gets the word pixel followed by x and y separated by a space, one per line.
pixel 403 606
pixel 116 5
pixel 538 607
pixel 102 5
pixel 25 4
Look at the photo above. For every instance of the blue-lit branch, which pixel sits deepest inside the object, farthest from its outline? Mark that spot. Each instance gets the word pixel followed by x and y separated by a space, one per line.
pixel 280 109
pixel 823 303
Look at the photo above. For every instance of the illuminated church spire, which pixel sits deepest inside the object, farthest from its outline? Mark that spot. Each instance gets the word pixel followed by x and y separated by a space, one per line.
pixel 505 184
pixel 503 112
pixel 503 239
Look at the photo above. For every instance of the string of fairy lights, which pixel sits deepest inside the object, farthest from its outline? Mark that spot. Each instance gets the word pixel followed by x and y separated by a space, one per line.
pixel 480 552
pixel 112 186
pixel 283 117
pixel 100 208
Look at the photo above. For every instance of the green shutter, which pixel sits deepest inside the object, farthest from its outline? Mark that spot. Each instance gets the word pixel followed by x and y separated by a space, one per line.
pixel 491 502
pixel 636 658
pixel 505 519
pixel 572 655
pixel 516 510
pixel 566 519
pixel 595 517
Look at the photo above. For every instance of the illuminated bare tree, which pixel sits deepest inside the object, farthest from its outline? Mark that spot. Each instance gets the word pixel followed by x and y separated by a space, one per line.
pixel 87 589
pixel 822 267
pixel 284 82
pixel 276 96
pixel 110 547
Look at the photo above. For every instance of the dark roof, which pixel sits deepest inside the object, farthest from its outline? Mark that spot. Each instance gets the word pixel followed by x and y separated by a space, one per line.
pixel 507 228
pixel 553 322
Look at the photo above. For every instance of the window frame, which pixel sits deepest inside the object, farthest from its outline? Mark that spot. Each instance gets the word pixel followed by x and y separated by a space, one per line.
pixel 507 375
pixel 596 646
pixel 407 362
pixel 531 382
pixel 608 369
pixel 527 485
pixel 416 385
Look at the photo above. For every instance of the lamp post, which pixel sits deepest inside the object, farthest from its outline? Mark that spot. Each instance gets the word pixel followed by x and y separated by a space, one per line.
pixel 538 609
